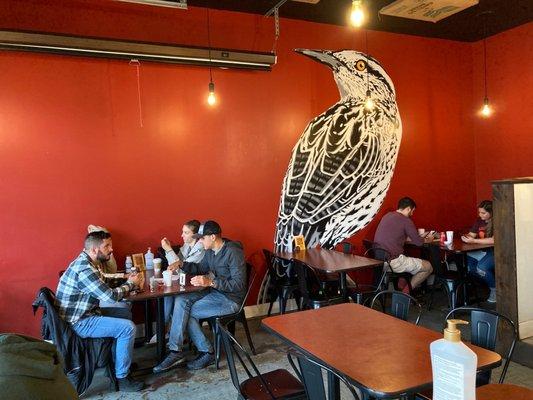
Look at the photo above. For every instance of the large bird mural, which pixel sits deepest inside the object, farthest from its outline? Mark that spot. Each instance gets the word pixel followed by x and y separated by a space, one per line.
pixel 342 165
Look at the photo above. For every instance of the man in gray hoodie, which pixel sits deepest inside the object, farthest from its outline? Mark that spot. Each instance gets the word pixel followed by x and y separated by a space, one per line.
pixel 222 272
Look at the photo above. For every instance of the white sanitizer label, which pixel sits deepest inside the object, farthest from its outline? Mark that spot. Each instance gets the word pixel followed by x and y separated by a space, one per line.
pixel 448 379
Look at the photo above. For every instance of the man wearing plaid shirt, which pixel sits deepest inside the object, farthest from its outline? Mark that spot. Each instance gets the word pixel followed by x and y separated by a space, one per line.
pixel 79 292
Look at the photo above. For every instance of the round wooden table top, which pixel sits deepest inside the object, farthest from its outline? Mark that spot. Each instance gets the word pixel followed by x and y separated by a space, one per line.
pixel 503 392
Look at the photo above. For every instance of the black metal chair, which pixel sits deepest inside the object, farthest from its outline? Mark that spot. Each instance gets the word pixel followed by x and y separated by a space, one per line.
pixel 483 333
pixel 362 292
pixel 230 319
pixel 283 285
pixel 450 280
pixel 274 385
pixel 314 295
pixel 391 276
pixel 81 356
pixel 311 374
pixel 484 327
pixel 400 304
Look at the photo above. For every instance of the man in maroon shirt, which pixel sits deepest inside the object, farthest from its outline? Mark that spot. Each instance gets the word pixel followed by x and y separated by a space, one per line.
pixel 393 230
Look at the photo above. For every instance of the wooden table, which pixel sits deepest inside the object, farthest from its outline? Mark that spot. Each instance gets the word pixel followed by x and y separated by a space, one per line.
pixel 382 355
pixel 503 392
pixel 331 261
pixel 158 295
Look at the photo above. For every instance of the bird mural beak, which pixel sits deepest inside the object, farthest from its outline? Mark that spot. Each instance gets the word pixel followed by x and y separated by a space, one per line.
pixel 323 56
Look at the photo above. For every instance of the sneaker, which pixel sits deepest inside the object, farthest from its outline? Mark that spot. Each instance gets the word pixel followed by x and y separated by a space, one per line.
pixel 153 339
pixel 202 361
pixel 128 384
pixel 173 359
pixel 492 296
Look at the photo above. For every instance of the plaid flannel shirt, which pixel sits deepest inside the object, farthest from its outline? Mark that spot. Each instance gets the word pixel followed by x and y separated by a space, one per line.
pixel 82 287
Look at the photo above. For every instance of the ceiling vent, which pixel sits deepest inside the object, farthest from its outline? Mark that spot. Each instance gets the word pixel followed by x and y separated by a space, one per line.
pixel 426 10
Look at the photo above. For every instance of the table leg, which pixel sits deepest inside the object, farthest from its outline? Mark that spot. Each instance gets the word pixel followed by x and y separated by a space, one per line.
pixel 160 329
pixel 343 286
pixel 334 391
pixel 465 279
pixel 147 320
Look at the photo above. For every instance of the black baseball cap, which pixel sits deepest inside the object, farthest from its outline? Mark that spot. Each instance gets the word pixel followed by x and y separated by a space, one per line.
pixel 208 228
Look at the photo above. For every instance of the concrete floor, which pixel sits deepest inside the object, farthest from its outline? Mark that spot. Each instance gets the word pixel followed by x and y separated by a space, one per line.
pixel 210 383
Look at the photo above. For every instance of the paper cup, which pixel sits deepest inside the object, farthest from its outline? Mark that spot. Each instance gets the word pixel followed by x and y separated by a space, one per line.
pixel 157 263
pixel 167 278
pixel 449 237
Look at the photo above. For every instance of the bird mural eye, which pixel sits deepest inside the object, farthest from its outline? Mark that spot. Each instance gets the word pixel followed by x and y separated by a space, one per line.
pixel 360 65
pixel 342 165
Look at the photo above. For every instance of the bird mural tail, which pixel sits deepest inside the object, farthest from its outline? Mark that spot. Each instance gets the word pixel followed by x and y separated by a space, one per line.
pixel 342 165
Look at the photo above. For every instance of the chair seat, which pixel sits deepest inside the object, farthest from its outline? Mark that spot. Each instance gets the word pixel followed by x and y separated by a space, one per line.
pixel 280 382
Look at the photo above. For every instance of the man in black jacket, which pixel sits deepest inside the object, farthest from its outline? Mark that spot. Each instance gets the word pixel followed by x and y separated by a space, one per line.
pixel 222 272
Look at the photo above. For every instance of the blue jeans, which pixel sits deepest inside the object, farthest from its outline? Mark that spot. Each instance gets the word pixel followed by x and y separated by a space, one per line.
pixel 483 268
pixel 123 330
pixel 169 307
pixel 189 309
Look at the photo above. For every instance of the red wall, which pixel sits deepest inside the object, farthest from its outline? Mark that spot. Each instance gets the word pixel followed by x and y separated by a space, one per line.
pixel 72 151
pixel 503 142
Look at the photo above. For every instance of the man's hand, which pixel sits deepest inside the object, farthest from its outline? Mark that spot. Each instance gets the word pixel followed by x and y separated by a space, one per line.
pixel 136 279
pixel 429 239
pixel 201 280
pixel 165 244
pixel 468 239
pixel 175 265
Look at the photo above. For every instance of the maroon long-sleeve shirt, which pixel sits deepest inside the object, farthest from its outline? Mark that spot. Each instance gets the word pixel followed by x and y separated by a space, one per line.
pixel 392 232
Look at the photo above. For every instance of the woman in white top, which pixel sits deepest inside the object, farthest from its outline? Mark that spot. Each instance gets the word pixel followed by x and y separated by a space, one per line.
pixel 191 251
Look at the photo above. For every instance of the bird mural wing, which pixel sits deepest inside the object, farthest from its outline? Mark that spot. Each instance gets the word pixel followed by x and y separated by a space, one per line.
pixel 341 166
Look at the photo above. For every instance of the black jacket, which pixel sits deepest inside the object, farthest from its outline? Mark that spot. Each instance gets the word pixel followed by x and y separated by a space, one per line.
pixel 227 267
pixel 81 356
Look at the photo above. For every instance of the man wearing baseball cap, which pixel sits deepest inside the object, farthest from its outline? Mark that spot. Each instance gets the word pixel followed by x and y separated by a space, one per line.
pixel 222 272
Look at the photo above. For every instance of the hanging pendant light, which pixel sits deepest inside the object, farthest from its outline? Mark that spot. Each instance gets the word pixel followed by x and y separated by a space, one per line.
pixel 369 103
pixel 357 15
pixel 486 109
pixel 211 98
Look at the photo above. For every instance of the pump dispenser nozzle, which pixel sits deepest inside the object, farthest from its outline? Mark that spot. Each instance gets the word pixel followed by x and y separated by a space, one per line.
pixel 451 333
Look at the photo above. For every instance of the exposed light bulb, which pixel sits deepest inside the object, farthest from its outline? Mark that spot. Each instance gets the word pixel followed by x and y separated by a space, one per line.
pixel 211 99
pixel 486 110
pixel 357 16
pixel 369 103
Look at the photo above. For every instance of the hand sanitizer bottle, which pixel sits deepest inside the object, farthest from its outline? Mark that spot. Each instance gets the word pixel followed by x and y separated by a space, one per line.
pixel 149 259
pixel 454 366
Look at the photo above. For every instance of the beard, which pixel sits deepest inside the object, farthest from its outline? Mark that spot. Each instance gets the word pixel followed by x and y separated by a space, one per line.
pixel 101 257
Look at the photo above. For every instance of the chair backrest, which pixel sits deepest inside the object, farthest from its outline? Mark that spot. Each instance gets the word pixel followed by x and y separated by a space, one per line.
pixel 234 350
pixel 310 373
pixel 274 264
pixel 251 275
pixel 484 330
pixel 399 304
pixel 308 282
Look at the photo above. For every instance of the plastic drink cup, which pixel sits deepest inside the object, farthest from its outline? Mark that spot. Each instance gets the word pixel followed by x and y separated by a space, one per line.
pixel 157 264
pixel 449 237
pixel 167 278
